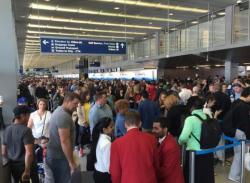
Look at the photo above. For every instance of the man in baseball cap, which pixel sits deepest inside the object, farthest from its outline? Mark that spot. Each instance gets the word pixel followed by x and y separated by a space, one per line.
pixel 18 144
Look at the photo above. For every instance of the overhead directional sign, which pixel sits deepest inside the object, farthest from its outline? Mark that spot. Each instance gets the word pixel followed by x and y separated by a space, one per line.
pixel 80 46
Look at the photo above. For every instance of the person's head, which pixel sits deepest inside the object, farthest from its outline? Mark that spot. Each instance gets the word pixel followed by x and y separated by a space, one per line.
pixel 217 87
pixel 21 114
pixel 237 88
pixel 144 94
pixel 196 90
pixel 210 101
pixel 101 98
pixel 44 141
pixel 121 106
pixel 71 101
pixel 224 88
pixel 42 104
pixel 162 96
pixel 211 88
pixel 195 103
pixel 84 96
pixel 160 127
pixel 170 101
pixel 246 94
pixel 132 119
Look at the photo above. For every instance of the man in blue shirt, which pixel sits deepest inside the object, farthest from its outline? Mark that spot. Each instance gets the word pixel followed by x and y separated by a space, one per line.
pixel 148 112
pixel 121 107
pixel 99 110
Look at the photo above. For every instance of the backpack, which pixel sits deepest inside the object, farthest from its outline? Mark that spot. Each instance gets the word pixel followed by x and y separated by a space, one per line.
pixel 210 133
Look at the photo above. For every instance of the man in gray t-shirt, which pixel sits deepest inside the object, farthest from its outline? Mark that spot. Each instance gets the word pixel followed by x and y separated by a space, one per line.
pixel 60 147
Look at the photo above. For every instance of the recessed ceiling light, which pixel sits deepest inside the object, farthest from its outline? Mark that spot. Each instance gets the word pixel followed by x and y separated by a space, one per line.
pixel 116 8
pixel 47 0
pixel 194 22
pixel 150 23
pixel 144 38
pixel 170 14
pixel 23 16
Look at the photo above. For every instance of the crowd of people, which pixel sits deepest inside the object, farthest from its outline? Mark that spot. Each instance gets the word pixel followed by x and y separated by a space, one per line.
pixel 134 129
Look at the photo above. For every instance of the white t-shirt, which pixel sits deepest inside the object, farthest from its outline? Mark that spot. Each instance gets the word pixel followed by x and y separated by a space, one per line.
pixel 103 153
pixel 40 126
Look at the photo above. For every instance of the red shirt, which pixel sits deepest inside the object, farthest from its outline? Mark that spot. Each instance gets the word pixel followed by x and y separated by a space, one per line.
pixel 170 165
pixel 134 158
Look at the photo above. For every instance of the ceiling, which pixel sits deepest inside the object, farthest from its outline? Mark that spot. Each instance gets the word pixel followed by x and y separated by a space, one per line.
pixel 32 58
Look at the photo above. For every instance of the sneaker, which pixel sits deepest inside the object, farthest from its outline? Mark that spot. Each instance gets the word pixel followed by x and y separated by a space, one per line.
pixel 81 152
pixel 234 180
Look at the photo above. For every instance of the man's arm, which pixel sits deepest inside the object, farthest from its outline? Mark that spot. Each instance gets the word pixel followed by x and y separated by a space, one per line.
pixel 4 150
pixel 64 134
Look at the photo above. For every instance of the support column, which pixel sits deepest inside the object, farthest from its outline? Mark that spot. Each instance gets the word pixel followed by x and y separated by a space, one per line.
pixel 231 70
pixel 9 60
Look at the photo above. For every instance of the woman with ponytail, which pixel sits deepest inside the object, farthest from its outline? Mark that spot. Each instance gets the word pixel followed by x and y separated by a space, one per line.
pixel 100 151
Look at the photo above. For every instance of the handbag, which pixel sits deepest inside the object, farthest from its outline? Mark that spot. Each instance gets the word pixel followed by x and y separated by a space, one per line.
pixel 247 159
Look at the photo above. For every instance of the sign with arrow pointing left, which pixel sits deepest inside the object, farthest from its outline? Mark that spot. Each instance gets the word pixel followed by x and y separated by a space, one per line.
pixel 69 46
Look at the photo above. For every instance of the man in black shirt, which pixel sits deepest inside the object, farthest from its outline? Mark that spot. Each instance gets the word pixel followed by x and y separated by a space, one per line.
pixel 237 124
pixel 18 144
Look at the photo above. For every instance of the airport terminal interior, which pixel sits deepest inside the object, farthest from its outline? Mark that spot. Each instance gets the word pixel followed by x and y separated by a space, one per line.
pixel 125 91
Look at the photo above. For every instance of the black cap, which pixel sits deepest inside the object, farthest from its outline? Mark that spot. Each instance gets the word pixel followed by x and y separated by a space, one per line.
pixel 18 110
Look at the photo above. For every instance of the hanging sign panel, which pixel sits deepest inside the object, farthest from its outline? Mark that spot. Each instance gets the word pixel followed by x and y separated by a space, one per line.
pixel 81 46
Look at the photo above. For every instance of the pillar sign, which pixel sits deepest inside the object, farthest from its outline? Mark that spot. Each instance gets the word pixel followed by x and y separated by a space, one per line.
pixel 81 46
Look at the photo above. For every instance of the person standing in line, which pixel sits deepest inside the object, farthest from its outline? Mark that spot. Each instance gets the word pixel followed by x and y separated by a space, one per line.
pixel 148 112
pixel 169 153
pixel 121 107
pixel 61 144
pixel 237 124
pixel 134 157
pixel 102 133
pixel 99 110
pixel 39 120
pixel 18 147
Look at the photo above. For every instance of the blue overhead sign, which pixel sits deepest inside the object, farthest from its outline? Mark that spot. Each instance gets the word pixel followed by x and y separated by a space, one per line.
pixel 81 46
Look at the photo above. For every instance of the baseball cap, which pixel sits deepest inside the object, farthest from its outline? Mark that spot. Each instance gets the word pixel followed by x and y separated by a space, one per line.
pixel 21 110
pixel 21 100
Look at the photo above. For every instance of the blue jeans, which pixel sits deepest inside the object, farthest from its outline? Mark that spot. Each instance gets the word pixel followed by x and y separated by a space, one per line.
pixel 60 169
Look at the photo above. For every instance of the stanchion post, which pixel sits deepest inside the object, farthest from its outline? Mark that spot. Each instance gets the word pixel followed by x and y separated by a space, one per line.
pixel 192 167
pixel 243 151
pixel 183 155
pixel 223 151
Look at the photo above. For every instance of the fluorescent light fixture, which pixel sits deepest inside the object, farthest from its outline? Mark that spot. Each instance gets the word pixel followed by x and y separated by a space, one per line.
pixel 156 5
pixel 100 13
pixel 170 14
pixel 150 23
pixel 75 35
pixel 194 22
pixel 32 37
pixel 173 29
pixel 32 41
pixel 221 13
pixel 89 22
pixel 116 8
pixel 82 29
pixel 32 44
pixel 219 65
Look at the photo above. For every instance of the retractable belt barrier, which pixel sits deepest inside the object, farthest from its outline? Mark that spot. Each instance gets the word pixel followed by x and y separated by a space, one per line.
pixel 219 148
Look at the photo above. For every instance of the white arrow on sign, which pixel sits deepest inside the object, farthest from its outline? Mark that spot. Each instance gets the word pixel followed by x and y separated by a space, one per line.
pixel 122 45
pixel 45 42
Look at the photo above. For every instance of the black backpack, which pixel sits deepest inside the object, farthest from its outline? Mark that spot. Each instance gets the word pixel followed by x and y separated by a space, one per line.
pixel 210 133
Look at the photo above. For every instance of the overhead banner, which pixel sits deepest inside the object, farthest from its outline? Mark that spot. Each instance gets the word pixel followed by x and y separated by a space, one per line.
pixel 81 46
